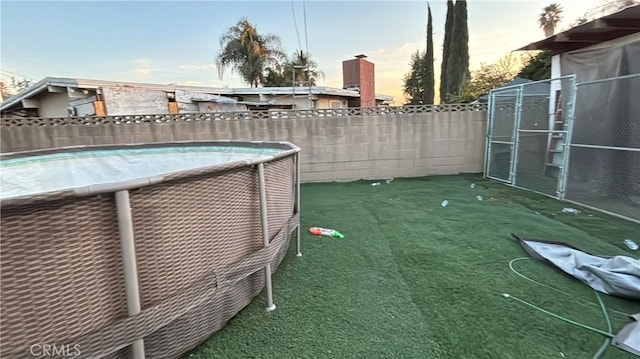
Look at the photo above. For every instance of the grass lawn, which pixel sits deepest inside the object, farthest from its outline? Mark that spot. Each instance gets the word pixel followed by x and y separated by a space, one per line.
pixel 413 279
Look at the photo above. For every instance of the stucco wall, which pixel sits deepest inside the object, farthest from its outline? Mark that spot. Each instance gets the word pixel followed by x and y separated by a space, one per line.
pixel 301 101
pixel 337 148
pixel 53 104
pixel 325 101
pixel 124 100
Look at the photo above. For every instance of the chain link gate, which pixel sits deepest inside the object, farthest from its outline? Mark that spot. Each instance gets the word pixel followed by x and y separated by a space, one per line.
pixel 604 166
pixel 528 134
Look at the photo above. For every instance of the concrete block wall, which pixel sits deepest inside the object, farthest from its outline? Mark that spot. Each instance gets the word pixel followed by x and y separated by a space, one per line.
pixel 333 148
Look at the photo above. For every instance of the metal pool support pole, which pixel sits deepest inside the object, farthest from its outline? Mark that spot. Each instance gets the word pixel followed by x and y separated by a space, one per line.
pixel 298 249
pixel 265 237
pixel 125 226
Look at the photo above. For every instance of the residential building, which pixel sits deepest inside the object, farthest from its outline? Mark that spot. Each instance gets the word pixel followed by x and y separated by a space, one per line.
pixel 63 97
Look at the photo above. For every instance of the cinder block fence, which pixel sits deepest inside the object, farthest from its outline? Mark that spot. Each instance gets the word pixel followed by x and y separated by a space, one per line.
pixel 337 145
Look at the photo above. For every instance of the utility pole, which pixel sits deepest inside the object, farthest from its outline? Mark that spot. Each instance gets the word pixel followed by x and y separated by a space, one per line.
pixel 293 88
pixel 309 87
pixel 295 83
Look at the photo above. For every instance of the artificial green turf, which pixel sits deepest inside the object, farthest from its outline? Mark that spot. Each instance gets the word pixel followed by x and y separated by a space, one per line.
pixel 413 279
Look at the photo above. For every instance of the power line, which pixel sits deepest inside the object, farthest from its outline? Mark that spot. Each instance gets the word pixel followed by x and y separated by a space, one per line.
pixel 13 74
pixel 306 44
pixel 46 63
pixel 295 23
pixel 306 38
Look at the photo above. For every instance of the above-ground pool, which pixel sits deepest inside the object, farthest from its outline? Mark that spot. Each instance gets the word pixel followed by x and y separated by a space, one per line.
pixel 139 251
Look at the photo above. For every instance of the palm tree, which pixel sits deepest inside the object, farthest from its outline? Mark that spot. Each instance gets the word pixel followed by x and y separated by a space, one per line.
pixel 301 66
pixel 306 71
pixel 549 18
pixel 248 52
pixel 275 77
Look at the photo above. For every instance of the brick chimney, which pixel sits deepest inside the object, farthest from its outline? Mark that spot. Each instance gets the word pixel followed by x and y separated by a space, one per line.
pixel 360 73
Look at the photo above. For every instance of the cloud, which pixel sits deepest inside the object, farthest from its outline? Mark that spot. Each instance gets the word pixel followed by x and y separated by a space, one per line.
pixel 490 46
pixel 207 67
pixel 391 64
pixel 143 68
pixel 395 59
pixel 154 70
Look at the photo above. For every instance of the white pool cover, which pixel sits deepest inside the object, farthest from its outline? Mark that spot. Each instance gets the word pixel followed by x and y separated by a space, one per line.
pixel 53 172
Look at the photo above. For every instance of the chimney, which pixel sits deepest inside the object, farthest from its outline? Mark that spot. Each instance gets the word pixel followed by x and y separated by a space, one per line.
pixel 360 73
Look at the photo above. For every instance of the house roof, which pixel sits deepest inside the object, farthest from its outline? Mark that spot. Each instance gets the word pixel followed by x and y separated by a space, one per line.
pixel 535 88
pixel 298 90
pixel 315 90
pixel 69 83
pixel 622 23
pixel 55 82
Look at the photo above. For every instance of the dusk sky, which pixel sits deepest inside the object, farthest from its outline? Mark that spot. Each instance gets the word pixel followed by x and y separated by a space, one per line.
pixel 177 42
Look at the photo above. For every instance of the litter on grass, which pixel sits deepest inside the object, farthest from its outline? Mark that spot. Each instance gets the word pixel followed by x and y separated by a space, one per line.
pixel 319 231
pixel 631 244
pixel 570 210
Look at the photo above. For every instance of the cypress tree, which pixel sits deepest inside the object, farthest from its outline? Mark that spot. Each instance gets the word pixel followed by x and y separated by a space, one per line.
pixel 428 80
pixel 458 60
pixel 448 29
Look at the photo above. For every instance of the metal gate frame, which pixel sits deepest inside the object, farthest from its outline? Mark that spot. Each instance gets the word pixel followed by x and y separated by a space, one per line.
pixel 489 132
pixel 515 137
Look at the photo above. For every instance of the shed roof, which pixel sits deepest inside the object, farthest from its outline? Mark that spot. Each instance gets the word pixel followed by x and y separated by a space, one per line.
pixel 622 23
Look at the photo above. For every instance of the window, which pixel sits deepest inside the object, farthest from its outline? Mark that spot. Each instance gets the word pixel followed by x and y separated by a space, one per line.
pixel 335 104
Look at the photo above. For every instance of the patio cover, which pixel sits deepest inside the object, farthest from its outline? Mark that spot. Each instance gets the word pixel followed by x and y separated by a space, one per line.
pixel 619 24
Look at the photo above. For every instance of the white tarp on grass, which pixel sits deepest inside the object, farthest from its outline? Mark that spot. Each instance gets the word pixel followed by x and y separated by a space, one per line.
pixel 618 275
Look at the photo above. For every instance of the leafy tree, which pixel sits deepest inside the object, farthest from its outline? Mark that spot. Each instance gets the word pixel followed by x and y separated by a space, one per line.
pixel 458 61
pixel 301 65
pixel 248 52
pixel 607 7
pixel 549 18
pixel 5 91
pixel 446 49
pixel 306 69
pixel 537 66
pixel 413 87
pixel 274 77
pixel 616 5
pixel 19 85
pixel 579 21
pixel 489 76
